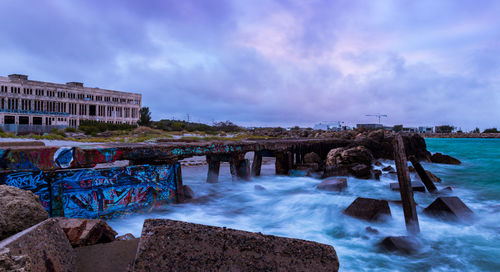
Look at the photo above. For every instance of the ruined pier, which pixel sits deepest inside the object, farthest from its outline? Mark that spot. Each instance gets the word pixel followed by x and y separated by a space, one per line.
pixel 83 181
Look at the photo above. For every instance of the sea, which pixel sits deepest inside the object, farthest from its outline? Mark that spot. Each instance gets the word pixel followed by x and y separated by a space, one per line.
pixel 293 207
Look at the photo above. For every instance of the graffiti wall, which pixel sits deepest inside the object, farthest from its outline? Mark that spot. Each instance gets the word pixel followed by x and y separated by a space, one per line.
pixel 99 193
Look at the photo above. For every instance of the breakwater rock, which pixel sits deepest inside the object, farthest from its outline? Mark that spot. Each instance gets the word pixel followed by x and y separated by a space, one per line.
pixel 19 210
pixel 195 247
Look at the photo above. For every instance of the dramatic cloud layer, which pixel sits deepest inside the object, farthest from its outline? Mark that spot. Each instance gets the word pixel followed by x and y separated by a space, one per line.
pixel 270 62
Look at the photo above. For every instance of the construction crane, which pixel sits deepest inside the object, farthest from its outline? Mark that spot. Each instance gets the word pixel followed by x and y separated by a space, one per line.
pixel 377 115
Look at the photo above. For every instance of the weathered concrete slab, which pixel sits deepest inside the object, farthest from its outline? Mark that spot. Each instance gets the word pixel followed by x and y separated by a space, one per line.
pixel 403 244
pixel 21 144
pixel 114 256
pixel 369 209
pixel 451 208
pixel 168 245
pixel 333 184
pixel 43 247
pixel 86 232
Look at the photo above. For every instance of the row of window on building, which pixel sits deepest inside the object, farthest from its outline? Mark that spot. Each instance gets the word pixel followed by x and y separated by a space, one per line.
pixel 70 108
pixel 70 95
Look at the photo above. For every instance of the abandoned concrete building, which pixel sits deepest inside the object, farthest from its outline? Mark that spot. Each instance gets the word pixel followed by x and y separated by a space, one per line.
pixel 35 106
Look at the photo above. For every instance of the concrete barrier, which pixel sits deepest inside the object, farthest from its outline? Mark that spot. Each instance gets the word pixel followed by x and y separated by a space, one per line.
pixel 168 245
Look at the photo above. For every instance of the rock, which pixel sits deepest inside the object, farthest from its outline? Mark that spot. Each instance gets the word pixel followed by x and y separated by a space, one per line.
pixel 451 208
pixel 377 173
pixel 377 135
pixel 368 209
pixel 378 163
pixel 416 186
pixel 312 157
pixel 42 247
pixel 86 232
pixel 19 210
pixel 445 159
pixel 114 256
pixel 259 188
pixel 185 246
pixel 188 192
pixel 404 244
pixel 388 169
pixel 372 230
pixel 411 169
pixel 333 184
pixel 361 171
pixel 125 237
pixel 308 166
pixel 343 156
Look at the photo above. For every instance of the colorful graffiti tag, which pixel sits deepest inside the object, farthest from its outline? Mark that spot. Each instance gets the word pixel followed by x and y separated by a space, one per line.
pixel 199 150
pixel 100 193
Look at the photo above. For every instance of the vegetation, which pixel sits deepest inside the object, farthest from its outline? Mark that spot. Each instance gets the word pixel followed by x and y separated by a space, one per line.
pixel 94 127
pixel 491 130
pixel 397 128
pixel 445 129
pixel 145 117
pixel 180 125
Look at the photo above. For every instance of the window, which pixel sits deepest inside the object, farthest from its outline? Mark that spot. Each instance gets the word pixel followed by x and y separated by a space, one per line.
pixel 24 120
pixel 8 120
pixel 37 120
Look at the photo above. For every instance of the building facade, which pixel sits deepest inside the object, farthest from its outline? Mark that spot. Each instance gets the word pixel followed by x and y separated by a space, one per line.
pixel 35 106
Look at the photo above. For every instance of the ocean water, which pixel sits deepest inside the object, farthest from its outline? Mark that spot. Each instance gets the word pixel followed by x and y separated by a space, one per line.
pixel 293 207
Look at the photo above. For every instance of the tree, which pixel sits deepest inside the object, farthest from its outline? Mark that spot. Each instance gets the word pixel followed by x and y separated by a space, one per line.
pixel 445 129
pixel 145 117
pixel 476 130
pixel 491 130
pixel 397 128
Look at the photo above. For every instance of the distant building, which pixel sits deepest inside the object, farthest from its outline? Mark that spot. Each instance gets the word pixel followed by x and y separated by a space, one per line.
pixel 410 129
pixel 426 129
pixel 369 126
pixel 325 126
pixel 36 106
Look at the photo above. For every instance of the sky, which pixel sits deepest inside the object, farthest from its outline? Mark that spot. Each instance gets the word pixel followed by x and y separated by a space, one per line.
pixel 268 63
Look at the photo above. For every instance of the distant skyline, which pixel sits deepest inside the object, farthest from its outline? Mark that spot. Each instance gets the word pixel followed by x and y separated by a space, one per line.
pixel 267 63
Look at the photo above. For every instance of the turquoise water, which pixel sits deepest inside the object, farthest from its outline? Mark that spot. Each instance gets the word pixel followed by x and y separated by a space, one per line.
pixel 293 207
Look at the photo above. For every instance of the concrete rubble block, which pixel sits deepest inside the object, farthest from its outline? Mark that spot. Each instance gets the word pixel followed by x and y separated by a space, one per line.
pixel 362 171
pixel 188 192
pixel 451 208
pixel 168 245
pixel 376 174
pixel 445 159
pixel 403 244
pixel 333 184
pixel 125 237
pixel 114 256
pixel 312 157
pixel 86 232
pixel 388 168
pixel 42 247
pixel 416 186
pixel 369 209
pixel 19 210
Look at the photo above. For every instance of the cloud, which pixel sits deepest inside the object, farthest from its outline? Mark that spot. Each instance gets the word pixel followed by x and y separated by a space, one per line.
pixel 270 62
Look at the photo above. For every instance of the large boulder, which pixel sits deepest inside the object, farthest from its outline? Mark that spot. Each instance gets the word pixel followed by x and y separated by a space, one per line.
pixel 451 208
pixel 19 210
pixel 188 192
pixel 368 209
pixel 180 246
pixel 445 159
pixel 333 184
pixel 312 157
pixel 42 247
pixel 404 244
pixel 86 232
pixel 355 161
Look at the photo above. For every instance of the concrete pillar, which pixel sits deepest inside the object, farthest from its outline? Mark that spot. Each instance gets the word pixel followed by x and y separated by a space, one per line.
pixel 213 169
pixel 284 162
pixel 178 183
pixel 257 164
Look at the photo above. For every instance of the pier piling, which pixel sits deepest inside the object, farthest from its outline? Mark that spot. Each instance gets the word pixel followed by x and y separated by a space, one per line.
pixel 423 175
pixel 410 212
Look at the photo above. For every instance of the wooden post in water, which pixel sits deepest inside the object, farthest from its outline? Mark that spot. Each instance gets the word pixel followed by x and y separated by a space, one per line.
pixel 423 175
pixel 411 217
pixel 256 164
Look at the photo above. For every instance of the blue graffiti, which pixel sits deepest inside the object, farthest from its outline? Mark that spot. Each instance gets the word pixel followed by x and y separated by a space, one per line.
pixel 63 157
pixel 213 148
